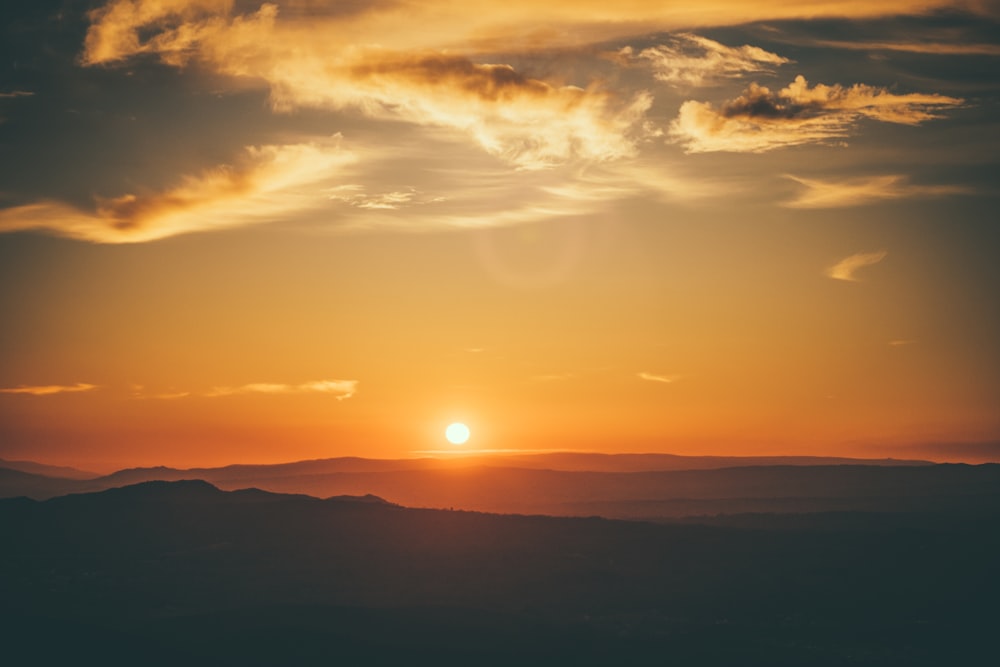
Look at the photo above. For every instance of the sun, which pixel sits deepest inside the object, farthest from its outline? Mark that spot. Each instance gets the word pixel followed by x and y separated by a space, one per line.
pixel 457 433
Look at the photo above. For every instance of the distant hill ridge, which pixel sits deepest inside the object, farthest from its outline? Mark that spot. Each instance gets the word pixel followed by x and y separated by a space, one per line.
pixel 615 486
pixel 566 461
pixel 199 491
pixel 47 470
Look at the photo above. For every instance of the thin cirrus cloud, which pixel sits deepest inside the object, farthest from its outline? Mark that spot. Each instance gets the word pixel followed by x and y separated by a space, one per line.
pixel 265 182
pixel 339 389
pixel 847 267
pixel 356 196
pixel 761 120
pixel 857 192
pixel 653 377
pixel 49 389
pixel 930 48
pixel 691 60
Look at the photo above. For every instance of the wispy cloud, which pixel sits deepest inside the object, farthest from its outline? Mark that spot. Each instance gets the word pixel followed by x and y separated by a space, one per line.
pixel 761 120
pixel 859 191
pixel 901 342
pixel 264 182
pixel 49 389
pixel 174 27
pixel 355 195
pixel 931 48
pixel 340 389
pixel 691 60
pixel 652 377
pixel 525 121
pixel 15 93
pixel 847 267
pixel 452 77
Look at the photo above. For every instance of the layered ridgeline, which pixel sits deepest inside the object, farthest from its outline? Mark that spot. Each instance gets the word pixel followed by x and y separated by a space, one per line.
pixel 166 573
pixel 647 486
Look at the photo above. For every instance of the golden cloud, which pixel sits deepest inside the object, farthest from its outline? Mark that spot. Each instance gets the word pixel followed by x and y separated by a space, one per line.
pixel 931 48
pixel 856 192
pixel 524 121
pixel 760 120
pixel 846 268
pixel 691 60
pixel 340 389
pixel 125 27
pixel 264 183
pixel 49 389
pixel 663 379
pixel 367 57
pixel 327 56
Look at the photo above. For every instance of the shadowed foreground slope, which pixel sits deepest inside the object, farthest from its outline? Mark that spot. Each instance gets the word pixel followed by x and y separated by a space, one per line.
pixel 160 573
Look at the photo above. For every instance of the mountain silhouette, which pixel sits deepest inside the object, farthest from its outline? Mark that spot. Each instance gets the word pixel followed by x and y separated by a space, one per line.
pixel 168 572
pixel 620 488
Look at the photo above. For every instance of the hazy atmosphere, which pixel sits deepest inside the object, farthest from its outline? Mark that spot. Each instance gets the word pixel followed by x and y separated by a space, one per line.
pixel 254 232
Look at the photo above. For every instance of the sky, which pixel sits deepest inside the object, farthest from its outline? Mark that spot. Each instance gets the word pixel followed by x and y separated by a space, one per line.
pixel 242 231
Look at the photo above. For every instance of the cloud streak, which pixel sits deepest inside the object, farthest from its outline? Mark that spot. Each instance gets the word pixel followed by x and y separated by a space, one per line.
pixel 762 120
pixel 339 389
pixel 691 60
pixel 847 267
pixel 264 183
pixel 858 192
pixel 930 48
pixel 663 379
pixel 49 389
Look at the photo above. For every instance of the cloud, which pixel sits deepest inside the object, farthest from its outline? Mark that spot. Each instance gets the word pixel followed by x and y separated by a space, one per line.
pixel 901 342
pixel 691 60
pixel 665 379
pixel 845 268
pixel 355 196
pixel 856 192
pixel 452 77
pixel 521 120
pixel 46 390
pixel 122 27
pixel 760 120
pixel 930 48
pixel 15 93
pixel 340 389
pixel 262 185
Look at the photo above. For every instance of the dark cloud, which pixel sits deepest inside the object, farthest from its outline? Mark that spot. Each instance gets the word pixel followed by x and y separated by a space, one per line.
pixel 493 83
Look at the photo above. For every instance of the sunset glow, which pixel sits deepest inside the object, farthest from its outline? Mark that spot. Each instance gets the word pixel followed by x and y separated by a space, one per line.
pixel 264 232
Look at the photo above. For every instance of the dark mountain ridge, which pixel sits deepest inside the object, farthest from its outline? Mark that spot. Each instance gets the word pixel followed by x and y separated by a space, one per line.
pixel 183 571
pixel 643 495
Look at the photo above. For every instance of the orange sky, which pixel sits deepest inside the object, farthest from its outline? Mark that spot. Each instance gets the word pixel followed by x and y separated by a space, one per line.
pixel 267 232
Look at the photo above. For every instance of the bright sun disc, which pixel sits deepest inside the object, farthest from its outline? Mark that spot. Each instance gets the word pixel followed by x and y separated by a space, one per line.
pixel 457 433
